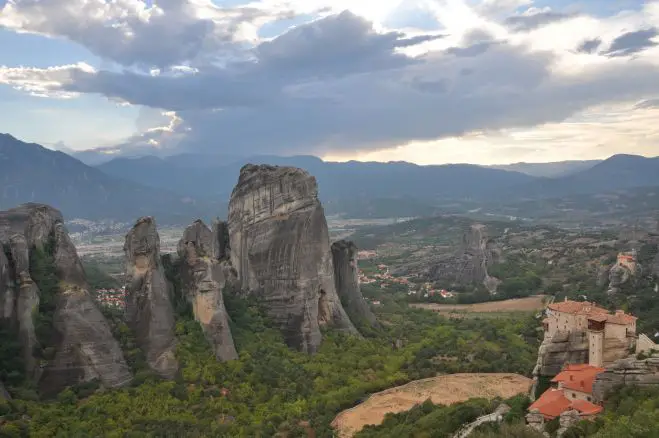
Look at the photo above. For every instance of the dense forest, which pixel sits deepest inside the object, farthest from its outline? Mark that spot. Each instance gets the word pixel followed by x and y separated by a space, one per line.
pixel 271 389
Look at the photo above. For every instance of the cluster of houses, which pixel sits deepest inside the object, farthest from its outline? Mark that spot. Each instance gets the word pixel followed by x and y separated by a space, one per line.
pixel 114 298
pixel 383 277
pixel 610 337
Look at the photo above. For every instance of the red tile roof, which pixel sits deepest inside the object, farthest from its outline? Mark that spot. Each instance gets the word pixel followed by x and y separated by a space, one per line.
pixel 593 311
pixel 577 307
pixel 586 408
pixel 578 377
pixel 552 403
pixel 621 318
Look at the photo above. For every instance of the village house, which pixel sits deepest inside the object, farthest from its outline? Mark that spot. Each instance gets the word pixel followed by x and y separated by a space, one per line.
pixel 572 390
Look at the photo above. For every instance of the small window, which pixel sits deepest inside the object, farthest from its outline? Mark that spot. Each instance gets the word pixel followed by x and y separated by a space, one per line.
pixel 589 398
pixel 574 395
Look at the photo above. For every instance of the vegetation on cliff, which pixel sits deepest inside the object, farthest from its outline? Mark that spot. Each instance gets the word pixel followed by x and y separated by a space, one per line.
pixel 272 389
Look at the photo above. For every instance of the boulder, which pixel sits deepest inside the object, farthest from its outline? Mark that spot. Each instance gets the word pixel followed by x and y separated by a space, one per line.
pixel 149 310
pixel 203 278
pixel 627 372
pixel 346 279
pixel 82 343
pixel 280 247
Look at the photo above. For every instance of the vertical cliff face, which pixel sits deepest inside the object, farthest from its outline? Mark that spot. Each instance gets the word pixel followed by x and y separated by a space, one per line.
pixel 560 349
pixel 27 301
pixel 81 344
pixel 280 248
pixel 346 278
pixel 149 310
pixel 469 264
pixel 203 277
pixel 7 295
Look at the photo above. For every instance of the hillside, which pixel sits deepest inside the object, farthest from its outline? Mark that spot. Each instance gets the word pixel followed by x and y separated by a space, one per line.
pixel 32 173
pixel 615 173
pixel 337 181
pixel 549 170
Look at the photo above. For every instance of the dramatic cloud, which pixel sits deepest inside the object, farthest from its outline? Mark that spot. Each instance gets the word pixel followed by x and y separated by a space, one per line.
pixel 633 42
pixel 340 83
pixel 167 33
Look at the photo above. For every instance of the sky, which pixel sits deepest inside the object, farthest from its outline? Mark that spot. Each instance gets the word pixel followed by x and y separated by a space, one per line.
pixel 426 81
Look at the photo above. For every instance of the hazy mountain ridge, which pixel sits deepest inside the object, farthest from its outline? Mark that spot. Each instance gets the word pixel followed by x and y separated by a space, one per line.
pixel 32 173
pixel 556 169
pixel 177 189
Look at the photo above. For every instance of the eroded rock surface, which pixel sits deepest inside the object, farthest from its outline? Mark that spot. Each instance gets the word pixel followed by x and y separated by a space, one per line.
pixel 149 310
pixel 346 278
pixel 629 371
pixel 203 279
pixel 280 247
pixel 84 348
pixel 562 349
pixel 470 263
pixel 618 275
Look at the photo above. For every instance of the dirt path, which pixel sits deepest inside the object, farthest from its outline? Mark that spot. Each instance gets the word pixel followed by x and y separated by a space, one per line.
pixel 528 304
pixel 449 389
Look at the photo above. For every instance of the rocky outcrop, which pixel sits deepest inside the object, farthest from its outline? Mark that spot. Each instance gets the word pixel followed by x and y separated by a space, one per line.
pixel 618 275
pixel 346 279
pixel 627 372
pixel 280 247
pixel 204 276
pixel 469 264
pixel 561 349
pixel 81 346
pixel 149 310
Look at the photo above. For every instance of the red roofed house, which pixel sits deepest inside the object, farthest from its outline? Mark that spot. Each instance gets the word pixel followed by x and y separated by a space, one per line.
pixel 572 390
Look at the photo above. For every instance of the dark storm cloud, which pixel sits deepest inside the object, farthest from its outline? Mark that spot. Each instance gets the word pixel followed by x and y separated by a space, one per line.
pixel 633 42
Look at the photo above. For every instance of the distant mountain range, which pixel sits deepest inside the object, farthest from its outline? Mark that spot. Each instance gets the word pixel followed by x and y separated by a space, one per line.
pixel 32 173
pixel 549 170
pixel 178 189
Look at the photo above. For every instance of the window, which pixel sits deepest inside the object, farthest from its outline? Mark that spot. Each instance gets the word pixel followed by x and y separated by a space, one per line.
pixel 574 395
pixel 589 398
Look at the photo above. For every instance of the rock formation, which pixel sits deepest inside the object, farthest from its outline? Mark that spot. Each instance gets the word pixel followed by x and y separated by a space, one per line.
pixel 203 278
pixel 618 275
pixel 27 301
pixel 628 371
pixel 559 350
pixel 280 247
pixel 82 346
pixel 346 279
pixel 149 311
pixel 469 264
